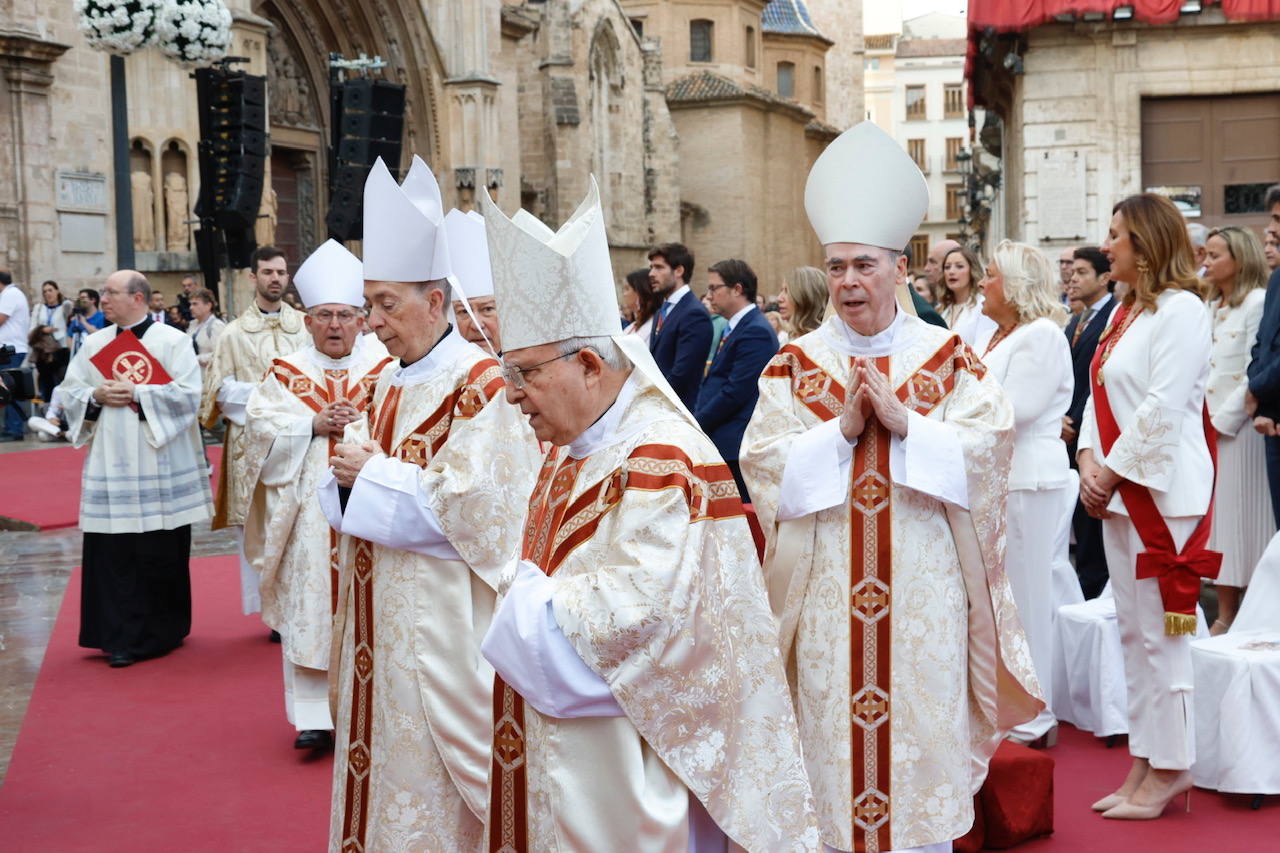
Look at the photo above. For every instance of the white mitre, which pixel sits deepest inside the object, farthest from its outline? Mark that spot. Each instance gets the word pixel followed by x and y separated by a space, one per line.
pixel 864 188
pixel 553 286
pixel 469 254
pixel 404 235
pixel 330 275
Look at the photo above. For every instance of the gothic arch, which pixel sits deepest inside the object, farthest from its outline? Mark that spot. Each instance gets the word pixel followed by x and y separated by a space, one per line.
pixel 606 83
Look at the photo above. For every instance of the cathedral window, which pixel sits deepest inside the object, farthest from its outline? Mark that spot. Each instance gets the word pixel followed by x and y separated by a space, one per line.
pixel 701 34
pixel 787 79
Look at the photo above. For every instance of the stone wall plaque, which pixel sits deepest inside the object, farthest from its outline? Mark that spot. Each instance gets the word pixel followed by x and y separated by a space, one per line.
pixel 85 192
pixel 1061 196
pixel 82 232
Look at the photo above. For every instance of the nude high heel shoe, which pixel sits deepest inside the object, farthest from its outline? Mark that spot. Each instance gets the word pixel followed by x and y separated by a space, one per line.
pixel 1130 811
pixel 1136 774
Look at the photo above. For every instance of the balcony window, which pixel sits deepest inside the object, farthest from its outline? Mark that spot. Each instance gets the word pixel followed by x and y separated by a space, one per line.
pixel 915 102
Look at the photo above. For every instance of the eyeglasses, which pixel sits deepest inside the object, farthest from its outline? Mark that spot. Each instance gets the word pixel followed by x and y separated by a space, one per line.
pixel 712 288
pixel 343 317
pixel 514 376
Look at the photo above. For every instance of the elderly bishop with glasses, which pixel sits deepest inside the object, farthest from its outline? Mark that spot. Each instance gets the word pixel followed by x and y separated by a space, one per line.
pixel 293 421
pixel 641 703
pixel 422 491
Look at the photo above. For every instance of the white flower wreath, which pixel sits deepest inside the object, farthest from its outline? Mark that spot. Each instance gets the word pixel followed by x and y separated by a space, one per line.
pixel 193 32
pixel 117 26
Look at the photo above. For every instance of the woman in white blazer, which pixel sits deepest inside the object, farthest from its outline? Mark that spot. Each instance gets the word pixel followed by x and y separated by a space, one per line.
pixel 1028 354
pixel 961 303
pixel 205 326
pixel 1152 365
pixel 1242 520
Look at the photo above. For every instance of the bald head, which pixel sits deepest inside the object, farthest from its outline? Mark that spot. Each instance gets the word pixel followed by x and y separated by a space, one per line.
pixel 124 297
pixel 933 267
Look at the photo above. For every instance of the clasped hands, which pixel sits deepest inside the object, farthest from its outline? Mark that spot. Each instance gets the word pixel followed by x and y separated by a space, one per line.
pixel 1097 482
pixel 333 418
pixel 114 392
pixel 1261 423
pixel 348 460
pixel 867 392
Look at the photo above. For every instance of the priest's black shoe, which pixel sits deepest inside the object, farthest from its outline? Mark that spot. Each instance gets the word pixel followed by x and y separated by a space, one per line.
pixel 117 660
pixel 314 739
pixel 275 636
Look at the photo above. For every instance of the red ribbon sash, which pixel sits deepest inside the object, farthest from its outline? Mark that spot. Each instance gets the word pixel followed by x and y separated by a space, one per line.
pixel 1178 573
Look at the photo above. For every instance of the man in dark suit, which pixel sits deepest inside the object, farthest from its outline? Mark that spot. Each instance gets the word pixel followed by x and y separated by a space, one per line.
pixel 681 334
pixel 729 392
pixel 1263 398
pixel 1090 276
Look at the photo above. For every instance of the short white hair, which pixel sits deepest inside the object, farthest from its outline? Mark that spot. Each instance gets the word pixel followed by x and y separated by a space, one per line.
pixel 1198 234
pixel 603 347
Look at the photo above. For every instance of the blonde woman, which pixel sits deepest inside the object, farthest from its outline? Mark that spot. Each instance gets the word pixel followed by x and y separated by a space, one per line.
pixel 1030 357
pixel 1146 471
pixel 961 301
pixel 1236 272
pixel 803 301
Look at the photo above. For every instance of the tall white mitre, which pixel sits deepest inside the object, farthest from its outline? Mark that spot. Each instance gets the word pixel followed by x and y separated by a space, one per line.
pixel 404 234
pixel 330 274
pixel 864 188
pixel 555 285
pixel 469 254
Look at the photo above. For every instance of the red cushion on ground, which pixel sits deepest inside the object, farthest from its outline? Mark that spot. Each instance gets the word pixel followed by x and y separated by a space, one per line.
pixel 1017 798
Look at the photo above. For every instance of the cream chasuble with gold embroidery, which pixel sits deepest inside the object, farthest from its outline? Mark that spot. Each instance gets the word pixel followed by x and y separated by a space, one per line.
pixel 656 586
pixel 412 694
pixel 241 358
pixel 902 642
pixel 287 539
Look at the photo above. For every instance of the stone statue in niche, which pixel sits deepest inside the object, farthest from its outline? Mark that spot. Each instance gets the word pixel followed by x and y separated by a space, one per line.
pixel 289 91
pixel 264 230
pixel 144 218
pixel 177 231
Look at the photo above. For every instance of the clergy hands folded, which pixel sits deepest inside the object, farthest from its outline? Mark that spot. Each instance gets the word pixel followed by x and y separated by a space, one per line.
pixel 333 418
pixel 349 459
pixel 868 391
pixel 114 392
pixel 1097 482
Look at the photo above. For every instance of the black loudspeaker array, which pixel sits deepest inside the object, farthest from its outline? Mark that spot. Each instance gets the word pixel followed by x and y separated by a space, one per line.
pixel 367 123
pixel 233 151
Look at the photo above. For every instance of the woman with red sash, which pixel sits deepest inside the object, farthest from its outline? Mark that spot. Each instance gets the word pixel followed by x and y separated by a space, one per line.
pixel 1147 462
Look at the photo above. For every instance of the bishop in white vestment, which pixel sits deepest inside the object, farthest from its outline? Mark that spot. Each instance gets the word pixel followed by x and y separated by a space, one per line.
pixel 427 526
pixel 145 483
pixel 641 703
pixel 294 419
pixel 266 330
pixel 878 460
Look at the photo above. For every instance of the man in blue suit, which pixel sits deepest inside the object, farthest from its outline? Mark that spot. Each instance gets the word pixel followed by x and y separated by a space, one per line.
pixel 729 393
pixel 681 334
pixel 1090 274
pixel 1263 398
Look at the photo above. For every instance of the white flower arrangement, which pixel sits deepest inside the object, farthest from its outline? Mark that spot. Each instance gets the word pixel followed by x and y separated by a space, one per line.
pixel 118 26
pixel 193 32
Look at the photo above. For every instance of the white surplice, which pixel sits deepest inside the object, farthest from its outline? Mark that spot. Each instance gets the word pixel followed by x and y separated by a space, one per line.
pixel 413 695
pixel 288 542
pixel 957 673
pixel 141 474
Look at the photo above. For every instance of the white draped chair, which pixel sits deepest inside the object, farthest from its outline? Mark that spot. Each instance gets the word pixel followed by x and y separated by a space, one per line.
pixel 1088 666
pixel 1237 692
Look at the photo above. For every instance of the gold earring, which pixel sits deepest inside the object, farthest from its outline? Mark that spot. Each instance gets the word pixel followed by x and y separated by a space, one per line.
pixel 1143 267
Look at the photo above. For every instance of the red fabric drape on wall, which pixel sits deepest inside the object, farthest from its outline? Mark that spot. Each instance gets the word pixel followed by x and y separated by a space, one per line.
pixel 1016 15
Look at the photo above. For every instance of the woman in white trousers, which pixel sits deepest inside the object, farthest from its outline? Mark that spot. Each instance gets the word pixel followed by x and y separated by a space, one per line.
pixel 1146 470
pixel 1029 355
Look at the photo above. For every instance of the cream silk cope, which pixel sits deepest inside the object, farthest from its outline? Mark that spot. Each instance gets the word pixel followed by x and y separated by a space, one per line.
pixel 242 354
pixel 657 588
pixel 412 695
pixel 287 539
pixel 902 642
pixel 140 475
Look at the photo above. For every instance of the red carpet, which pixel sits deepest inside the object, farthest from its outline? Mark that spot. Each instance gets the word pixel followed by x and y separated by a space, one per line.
pixel 43 486
pixel 187 752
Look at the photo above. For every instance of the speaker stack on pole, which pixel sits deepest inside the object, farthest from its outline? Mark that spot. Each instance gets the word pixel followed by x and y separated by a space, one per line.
pixel 232 154
pixel 366 122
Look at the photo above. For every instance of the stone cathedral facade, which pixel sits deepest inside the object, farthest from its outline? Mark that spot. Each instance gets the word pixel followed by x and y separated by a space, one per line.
pixel 699 119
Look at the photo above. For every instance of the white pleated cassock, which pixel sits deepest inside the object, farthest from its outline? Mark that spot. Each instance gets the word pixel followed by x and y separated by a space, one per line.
pixel 1157 667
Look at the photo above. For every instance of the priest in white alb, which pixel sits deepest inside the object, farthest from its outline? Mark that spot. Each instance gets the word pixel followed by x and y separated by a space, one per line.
pixel 145 481
pixel 641 704
pixel 265 330
pixel 477 313
pixel 293 421
pixel 423 491
pixel 878 460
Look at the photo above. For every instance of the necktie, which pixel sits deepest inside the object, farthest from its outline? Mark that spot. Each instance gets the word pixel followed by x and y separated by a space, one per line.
pixel 1084 321
pixel 662 316
pixel 723 338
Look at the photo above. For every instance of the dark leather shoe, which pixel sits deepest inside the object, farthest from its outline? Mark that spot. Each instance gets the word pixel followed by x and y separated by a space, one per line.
pixel 116 660
pixel 275 636
pixel 314 739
